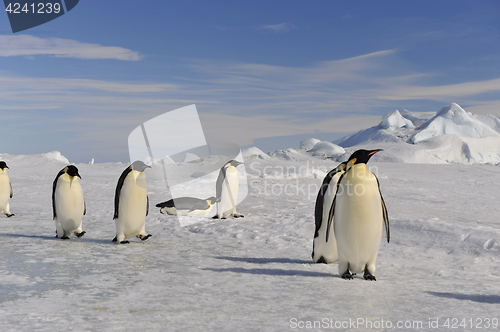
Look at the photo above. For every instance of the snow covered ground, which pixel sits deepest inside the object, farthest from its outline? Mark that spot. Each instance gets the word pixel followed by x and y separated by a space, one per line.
pixel 254 273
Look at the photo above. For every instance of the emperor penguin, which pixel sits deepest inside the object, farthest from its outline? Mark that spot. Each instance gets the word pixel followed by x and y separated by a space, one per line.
pixel 5 190
pixel 68 205
pixel 187 206
pixel 227 188
pixel 358 214
pixel 131 203
pixel 326 252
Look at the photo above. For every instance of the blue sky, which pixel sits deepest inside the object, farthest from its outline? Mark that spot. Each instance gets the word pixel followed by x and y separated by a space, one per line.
pixel 255 69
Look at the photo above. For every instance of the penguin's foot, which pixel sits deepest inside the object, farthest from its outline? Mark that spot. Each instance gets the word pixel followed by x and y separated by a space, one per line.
pixel 144 237
pixel 369 276
pixel 124 242
pixel 237 215
pixel 9 215
pixel 115 239
pixel 80 234
pixel 347 275
pixel 64 237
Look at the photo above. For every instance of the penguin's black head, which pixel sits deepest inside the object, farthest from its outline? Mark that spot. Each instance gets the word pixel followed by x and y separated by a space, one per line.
pixel 72 171
pixel 362 156
pixel 3 165
pixel 139 166
pixel 233 163
pixel 211 200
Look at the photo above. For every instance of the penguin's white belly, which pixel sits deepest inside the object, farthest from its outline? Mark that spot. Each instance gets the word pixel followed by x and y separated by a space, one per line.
pixel 174 212
pixel 4 192
pixel 359 222
pixel 226 207
pixel 322 248
pixel 132 206
pixel 69 204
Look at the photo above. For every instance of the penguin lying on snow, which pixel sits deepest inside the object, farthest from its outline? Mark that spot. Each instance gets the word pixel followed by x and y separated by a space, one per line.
pixel 187 206
pixel 5 190
pixel 323 251
pixel 227 188
pixel 358 214
pixel 131 204
pixel 68 205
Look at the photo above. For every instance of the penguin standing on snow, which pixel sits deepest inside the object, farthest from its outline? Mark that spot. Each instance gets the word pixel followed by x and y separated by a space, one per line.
pixel 131 204
pixel 358 214
pixel 187 206
pixel 68 205
pixel 227 188
pixel 326 252
pixel 5 190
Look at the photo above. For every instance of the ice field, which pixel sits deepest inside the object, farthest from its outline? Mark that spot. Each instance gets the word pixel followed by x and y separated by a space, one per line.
pixel 253 273
pixel 440 180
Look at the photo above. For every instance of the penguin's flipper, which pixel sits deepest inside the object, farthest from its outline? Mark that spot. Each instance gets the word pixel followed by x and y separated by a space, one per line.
pixel 318 208
pixel 147 206
pixel 10 190
pixel 218 184
pixel 84 208
pixel 61 172
pixel 200 206
pixel 385 214
pixel 119 186
pixel 332 209
pixel 330 219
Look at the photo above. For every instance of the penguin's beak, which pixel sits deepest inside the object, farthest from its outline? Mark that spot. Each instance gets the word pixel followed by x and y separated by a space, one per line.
pixel 374 151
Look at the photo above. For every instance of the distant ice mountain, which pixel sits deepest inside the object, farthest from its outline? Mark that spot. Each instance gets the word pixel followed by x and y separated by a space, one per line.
pixel 35 159
pixel 450 135
pixel 453 120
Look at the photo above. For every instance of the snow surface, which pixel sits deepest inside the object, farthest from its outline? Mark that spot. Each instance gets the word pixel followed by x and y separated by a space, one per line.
pixel 254 152
pixel 253 273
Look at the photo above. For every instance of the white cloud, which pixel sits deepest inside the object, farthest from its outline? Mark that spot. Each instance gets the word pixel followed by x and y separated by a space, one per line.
pixel 25 45
pixel 443 92
pixel 281 27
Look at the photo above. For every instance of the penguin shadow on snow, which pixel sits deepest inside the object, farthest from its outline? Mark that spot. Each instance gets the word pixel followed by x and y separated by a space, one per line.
pixel 481 298
pixel 53 238
pixel 274 272
pixel 44 237
pixel 265 260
